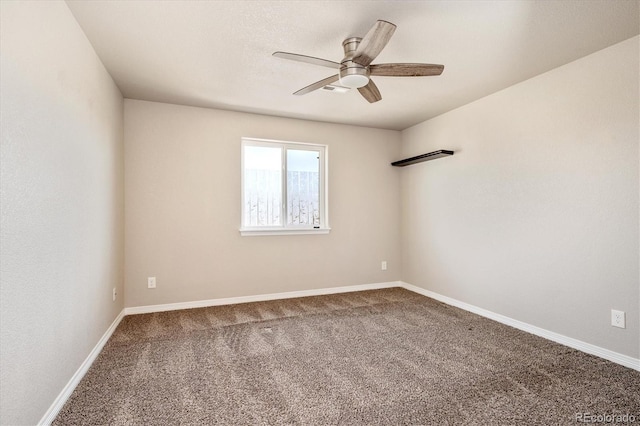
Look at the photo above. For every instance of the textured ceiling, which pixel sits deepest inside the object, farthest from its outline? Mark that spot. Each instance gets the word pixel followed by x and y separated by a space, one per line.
pixel 218 53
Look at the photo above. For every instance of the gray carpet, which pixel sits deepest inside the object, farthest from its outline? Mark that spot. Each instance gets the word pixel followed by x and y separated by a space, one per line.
pixel 375 357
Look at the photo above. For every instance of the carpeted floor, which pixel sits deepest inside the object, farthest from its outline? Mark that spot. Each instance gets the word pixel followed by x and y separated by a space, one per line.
pixel 376 357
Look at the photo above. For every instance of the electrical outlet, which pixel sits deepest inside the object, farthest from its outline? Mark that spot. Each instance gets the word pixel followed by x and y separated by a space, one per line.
pixel 115 294
pixel 617 319
pixel 151 282
pixel 383 265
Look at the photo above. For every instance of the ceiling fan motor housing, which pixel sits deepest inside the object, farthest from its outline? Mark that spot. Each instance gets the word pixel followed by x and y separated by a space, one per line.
pixel 352 75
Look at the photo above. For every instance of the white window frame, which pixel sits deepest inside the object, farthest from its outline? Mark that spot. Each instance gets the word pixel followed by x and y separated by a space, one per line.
pixel 323 207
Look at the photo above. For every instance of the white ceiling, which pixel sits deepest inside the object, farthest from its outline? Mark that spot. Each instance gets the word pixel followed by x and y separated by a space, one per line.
pixel 218 53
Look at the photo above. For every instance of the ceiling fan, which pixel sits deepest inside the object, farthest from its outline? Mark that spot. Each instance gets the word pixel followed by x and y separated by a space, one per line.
pixel 356 68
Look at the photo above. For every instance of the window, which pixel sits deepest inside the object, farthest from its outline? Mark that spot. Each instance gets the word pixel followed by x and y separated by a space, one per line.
pixel 283 188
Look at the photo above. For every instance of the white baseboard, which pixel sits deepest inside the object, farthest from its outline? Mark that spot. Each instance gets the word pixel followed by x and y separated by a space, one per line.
pixel 62 398
pixel 607 354
pixel 257 298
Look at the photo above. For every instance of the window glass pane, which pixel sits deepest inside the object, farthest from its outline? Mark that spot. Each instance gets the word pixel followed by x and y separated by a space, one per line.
pixel 303 183
pixel 262 186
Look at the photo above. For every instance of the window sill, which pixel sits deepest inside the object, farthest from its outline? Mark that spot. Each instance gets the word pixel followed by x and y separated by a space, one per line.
pixel 279 231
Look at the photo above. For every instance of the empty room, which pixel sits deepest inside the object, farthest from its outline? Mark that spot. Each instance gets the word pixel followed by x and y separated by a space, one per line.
pixel 319 212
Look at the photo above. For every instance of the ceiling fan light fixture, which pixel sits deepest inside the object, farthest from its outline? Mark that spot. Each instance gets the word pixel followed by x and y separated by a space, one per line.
pixel 354 81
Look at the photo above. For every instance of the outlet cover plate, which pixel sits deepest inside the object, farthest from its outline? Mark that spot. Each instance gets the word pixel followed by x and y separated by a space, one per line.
pixel 617 319
pixel 151 282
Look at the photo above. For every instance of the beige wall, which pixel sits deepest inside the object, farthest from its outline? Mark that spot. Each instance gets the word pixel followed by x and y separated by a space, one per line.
pixel 62 204
pixel 536 215
pixel 182 197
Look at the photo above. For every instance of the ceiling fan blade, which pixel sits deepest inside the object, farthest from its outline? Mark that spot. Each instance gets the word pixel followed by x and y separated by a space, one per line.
pixel 370 92
pixel 317 85
pixel 307 59
pixel 373 43
pixel 406 70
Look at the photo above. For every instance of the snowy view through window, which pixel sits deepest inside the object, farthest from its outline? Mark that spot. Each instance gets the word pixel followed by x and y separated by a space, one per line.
pixel 263 186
